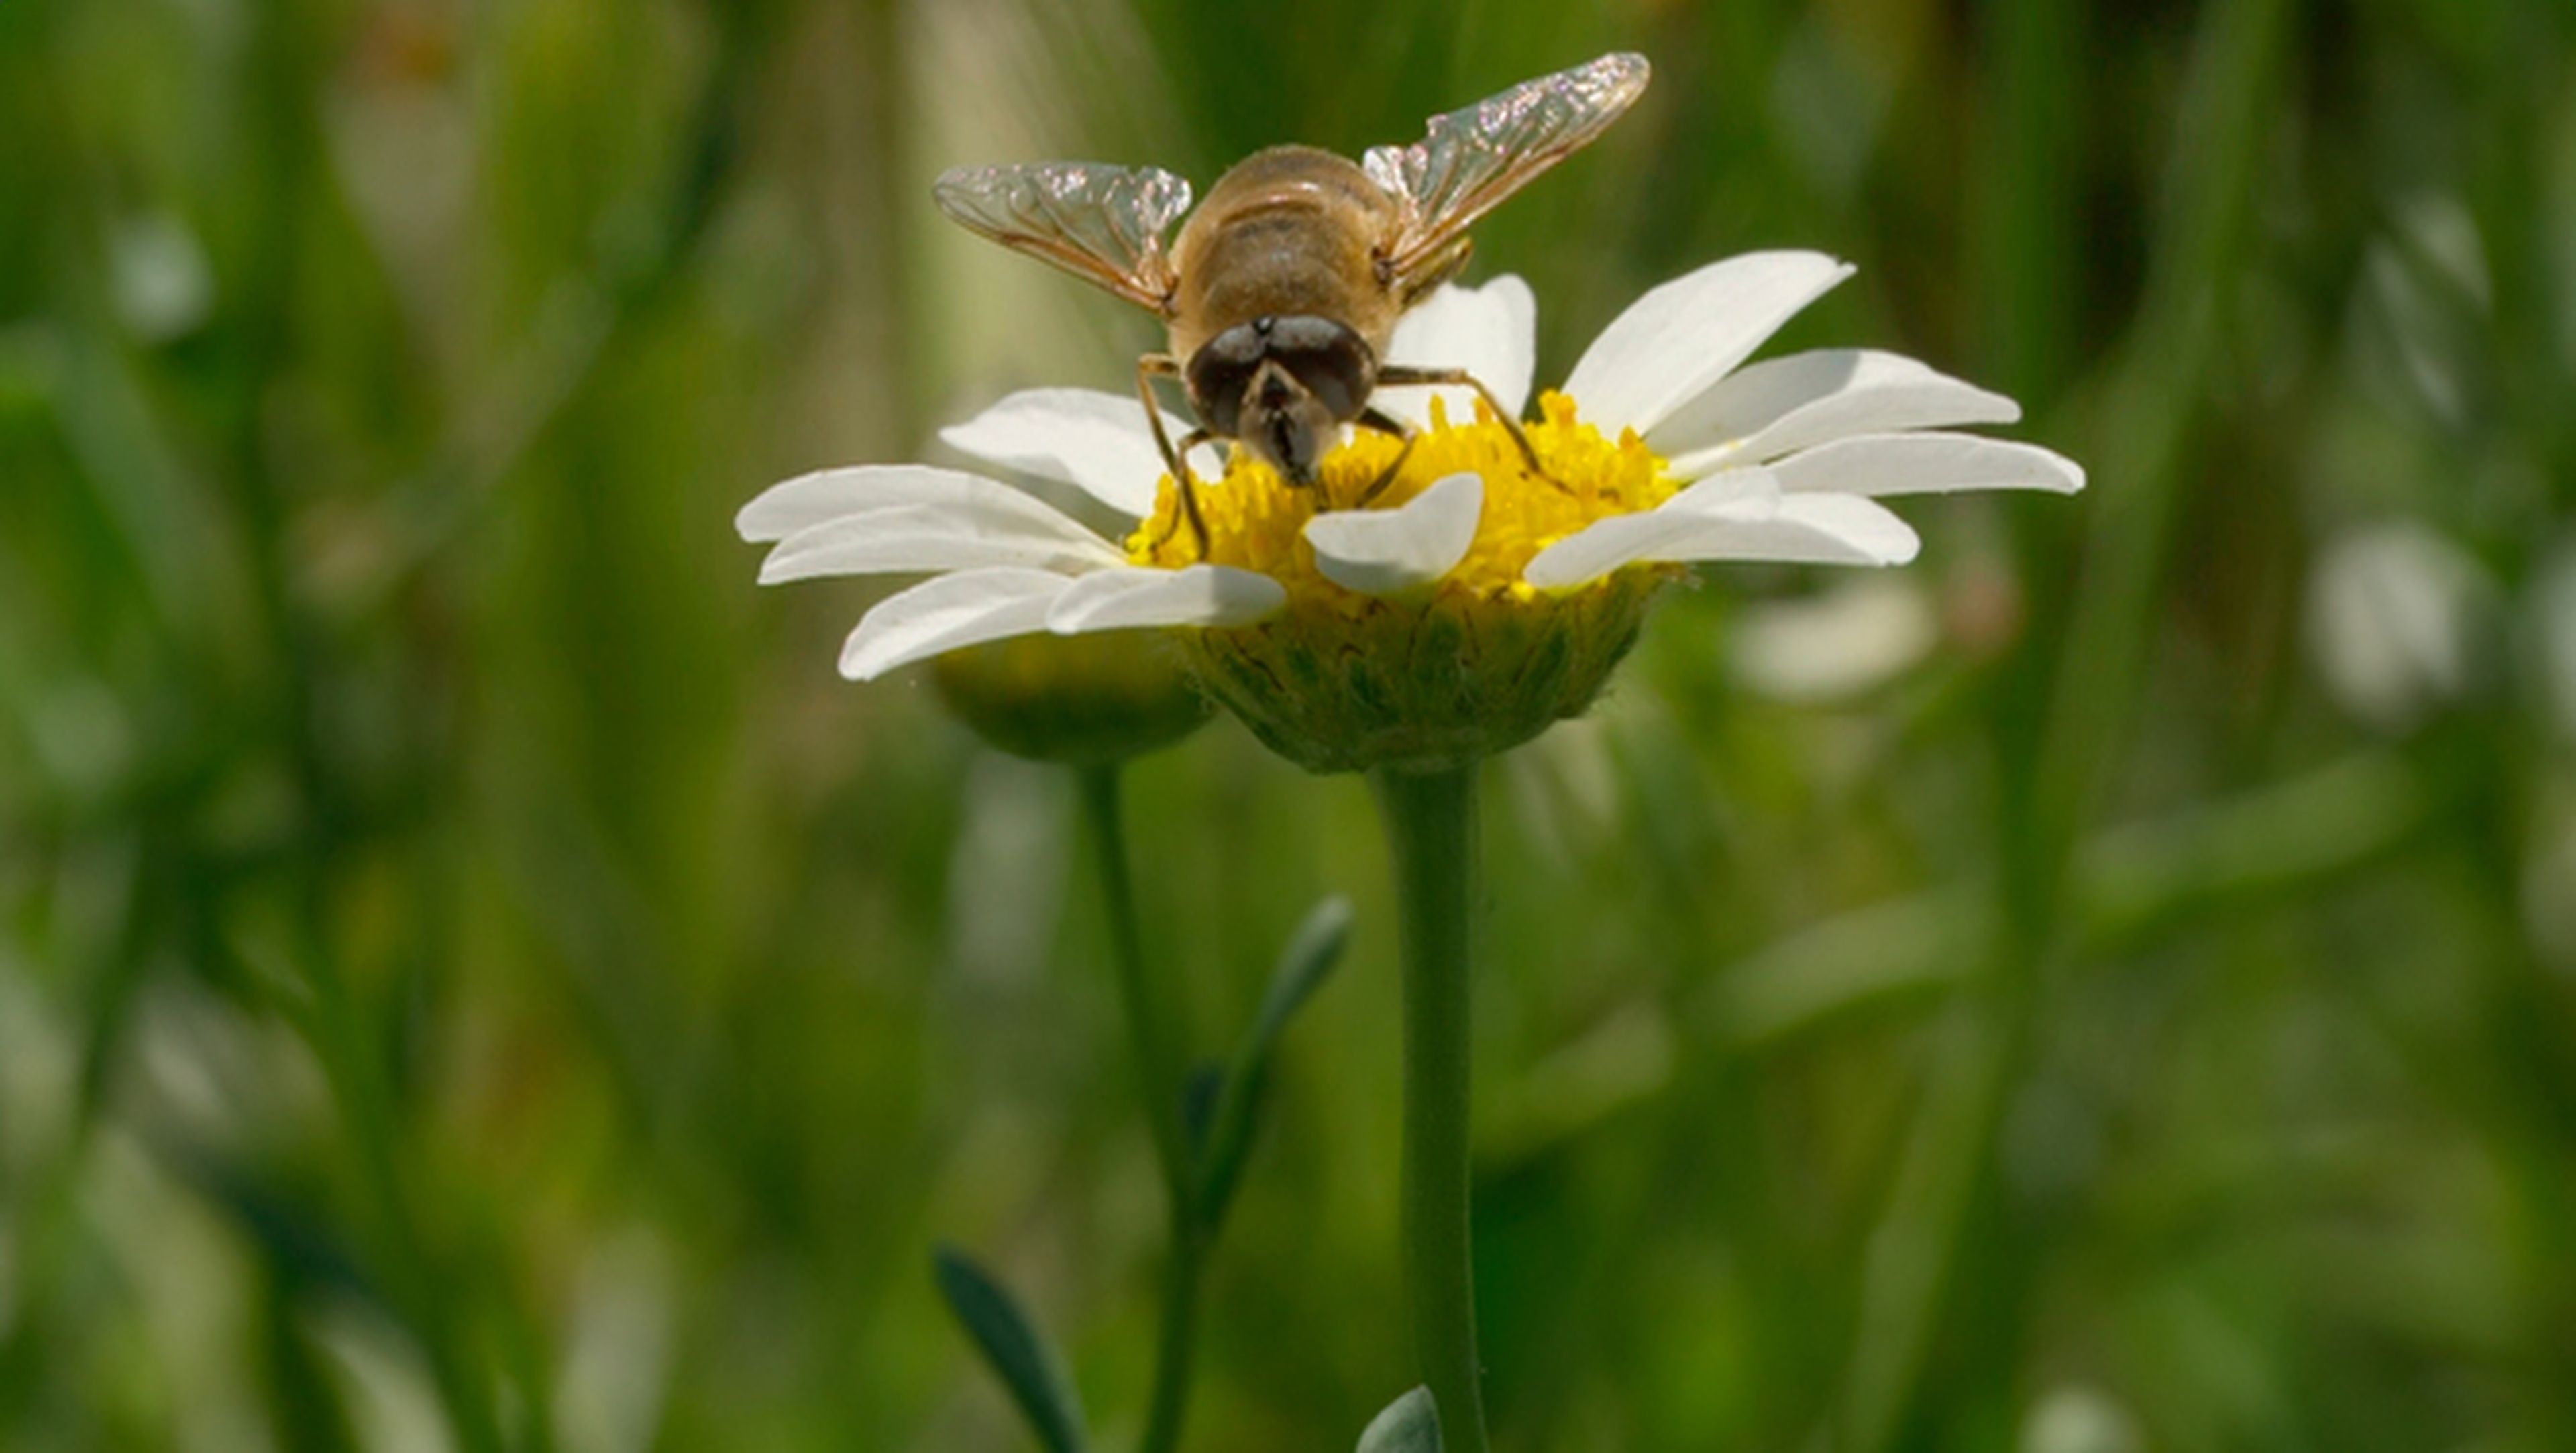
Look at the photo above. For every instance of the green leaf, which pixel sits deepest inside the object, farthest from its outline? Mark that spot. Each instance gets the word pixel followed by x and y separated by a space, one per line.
pixel 296 1238
pixel 1199 1100
pixel 1410 1424
pixel 1310 955
pixel 1019 1353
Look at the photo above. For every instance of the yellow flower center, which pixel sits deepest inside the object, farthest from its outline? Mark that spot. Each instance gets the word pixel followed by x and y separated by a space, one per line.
pixel 1257 521
pixel 1474 664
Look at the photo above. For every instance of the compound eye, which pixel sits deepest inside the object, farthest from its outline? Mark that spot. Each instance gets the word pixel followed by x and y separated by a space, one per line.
pixel 1329 358
pixel 1220 371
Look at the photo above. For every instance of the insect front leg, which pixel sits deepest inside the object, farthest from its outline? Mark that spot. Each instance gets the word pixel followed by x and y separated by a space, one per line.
pixel 1177 460
pixel 1376 418
pixel 1403 375
pixel 1189 441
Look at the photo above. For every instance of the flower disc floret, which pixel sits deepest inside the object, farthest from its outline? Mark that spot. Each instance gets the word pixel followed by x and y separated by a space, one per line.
pixel 1470 663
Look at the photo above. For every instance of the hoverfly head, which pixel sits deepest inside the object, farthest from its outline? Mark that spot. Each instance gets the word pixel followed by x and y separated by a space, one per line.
pixel 1283 387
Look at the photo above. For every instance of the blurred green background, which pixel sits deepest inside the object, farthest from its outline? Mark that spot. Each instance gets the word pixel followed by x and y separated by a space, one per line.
pixel 470 975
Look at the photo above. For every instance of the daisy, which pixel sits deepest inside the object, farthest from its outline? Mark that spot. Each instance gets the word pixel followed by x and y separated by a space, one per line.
pixel 1424 603
pixel 1471 602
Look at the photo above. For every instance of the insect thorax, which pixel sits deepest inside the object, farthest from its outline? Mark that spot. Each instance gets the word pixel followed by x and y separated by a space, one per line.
pixel 1288 232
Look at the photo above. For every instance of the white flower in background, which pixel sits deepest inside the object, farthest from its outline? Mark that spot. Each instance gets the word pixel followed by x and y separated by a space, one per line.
pixel 2549 887
pixel 163 286
pixel 2077 1419
pixel 2394 615
pixel 1837 644
pixel 1472 602
pixel 2554 605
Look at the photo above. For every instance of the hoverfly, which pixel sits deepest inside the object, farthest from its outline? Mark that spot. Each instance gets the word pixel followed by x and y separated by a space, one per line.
pixel 1281 292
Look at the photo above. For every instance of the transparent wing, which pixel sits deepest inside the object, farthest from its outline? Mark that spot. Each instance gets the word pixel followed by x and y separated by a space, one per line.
pixel 1099 222
pixel 1470 160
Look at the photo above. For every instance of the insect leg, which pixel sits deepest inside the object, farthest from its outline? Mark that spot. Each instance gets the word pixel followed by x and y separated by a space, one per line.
pixel 1373 418
pixel 1189 441
pixel 1177 460
pixel 1383 422
pixel 1403 375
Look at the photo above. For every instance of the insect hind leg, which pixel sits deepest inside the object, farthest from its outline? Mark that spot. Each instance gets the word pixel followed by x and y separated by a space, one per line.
pixel 1148 368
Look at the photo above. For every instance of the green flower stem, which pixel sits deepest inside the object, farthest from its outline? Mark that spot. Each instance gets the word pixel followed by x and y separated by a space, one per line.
pixel 1158 1072
pixel 1431 834
pixel 1174 1356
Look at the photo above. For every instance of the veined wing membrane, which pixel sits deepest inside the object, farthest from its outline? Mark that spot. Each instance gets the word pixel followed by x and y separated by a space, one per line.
pixel 1469 161
pixel 1099 222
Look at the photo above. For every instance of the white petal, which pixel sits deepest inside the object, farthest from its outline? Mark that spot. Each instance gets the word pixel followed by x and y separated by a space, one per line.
pixel 1780 405
pixel 1097 441
pixel 1739 515
pixel 935 537
pixel 1492 332
pixel 964 609
pixel 1732 492
pixel 1385 552
pixel 828 494
pixel 1834 529
pixel 1797 534
pixel 1878 464
pixel 1737 496
pixel 1195 595
pixel 1687 334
